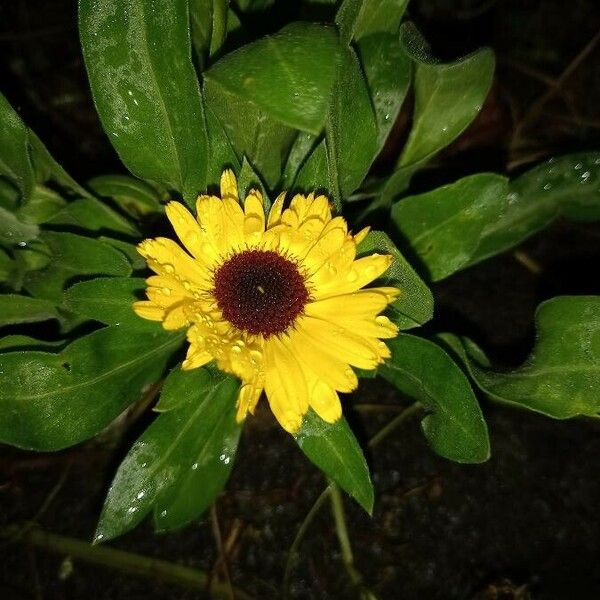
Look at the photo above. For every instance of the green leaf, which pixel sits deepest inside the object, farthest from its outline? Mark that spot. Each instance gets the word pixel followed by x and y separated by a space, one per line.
pixel 414 306
pixel 6 266
pixel 15 162
pixel 561 377
pixel 43 204
pixel 25 342
pixel 221 153
pixel 137 55
pixel 47 168
pixel 333 448
pixel 13 231
pixel 73 256
pixel 567 186
pixel 454 427
pixel 303 146
pixel 134 196
pixel 175 391
pixel 444 227
pixel 288 75
pixel 208 20
pixel 359 18
pixel 15 309
pixel 247 180
pixel 92 215
pixel 135 259
pixel 179 464
pixel 109 300
pixel 314 174
pixel 387 69
pixel 52 401
pixel 447 99
pixel 351 130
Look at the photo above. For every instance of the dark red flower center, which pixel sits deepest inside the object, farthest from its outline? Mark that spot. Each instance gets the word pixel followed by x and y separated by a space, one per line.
pixel 260 291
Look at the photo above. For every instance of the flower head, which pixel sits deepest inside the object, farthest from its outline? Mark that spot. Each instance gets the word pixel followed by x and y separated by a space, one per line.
pixel 278 301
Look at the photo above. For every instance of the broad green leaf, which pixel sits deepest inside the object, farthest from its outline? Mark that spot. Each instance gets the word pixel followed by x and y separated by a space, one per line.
pixel 138 58
pixel 454 426
pixel 25 342
pixel 73 256
pixel 15 309
pixel 15 162
pixel 109 300
pixel 414 306
pixel 14 231
pixel 448 96
pixel 221 153
pixel 52 401
pixel 177 465
pixel 247 180
pixel 351 130
pixel 177 385
pixel 333 448
pixel 43 204
pixel 133 195
pixel 93 215
pixel 253 133
pixel 47 168
pixel 444 227
pixel 359 18
pixel 387 69
pixel 567 186
pixel 313 176
pixel 6 266
pixel 9 195
pixel 208 21
pixel 561 377
pixel 288 75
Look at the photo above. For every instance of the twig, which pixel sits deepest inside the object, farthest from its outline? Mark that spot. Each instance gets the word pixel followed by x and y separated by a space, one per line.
pixel 127 562
pixel 221 561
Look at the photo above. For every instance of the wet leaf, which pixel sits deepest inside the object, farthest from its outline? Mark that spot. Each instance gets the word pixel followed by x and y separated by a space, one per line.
pixel 133 195
pixel 313 176
pixel 414 306
pixel 248 180
pixel 359 18
pixel 15 309
pixel 14 231
pixel 178 465
pixel 561 377
pixel 73 257
pixel 445 226
pixel 333 448
pixel 567 186
pixel 109 300
pixel 138 59
pixel 52 401
pixel 454 427
pixel 303 146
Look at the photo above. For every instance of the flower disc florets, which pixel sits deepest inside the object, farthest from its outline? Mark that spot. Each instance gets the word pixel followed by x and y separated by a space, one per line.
pixel 279 301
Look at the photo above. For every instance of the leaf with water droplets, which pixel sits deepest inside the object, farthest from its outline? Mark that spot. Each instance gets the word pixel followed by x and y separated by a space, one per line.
pixel 568 186
pixel 561 377
pixel 179 464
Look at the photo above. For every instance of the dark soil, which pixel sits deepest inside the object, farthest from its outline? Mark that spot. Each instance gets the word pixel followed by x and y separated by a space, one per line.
pixel 523 525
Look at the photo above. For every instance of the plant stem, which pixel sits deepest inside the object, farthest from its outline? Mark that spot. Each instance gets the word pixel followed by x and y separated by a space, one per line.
pixel 135 564
pixel 406 414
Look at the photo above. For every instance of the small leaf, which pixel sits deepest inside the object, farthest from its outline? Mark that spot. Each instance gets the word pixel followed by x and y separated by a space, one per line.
pixel 444 227
pixel 208 20
pixel 176 465
pixel 133 195
pixel 13 231
pixel 447 99
pixel 52 401
pixel 568 186
pixel 15 309
pixel 414 306
pixel 221 153
pixel 15 163
pixel 43 204
pixel 109 300
pixel 73 256
pixel 333 448
pixel 303 146
pixel 138 59
pixel 561 377
pixel 135 259
pixel 455 426
pixel 313 176
pixel 247 180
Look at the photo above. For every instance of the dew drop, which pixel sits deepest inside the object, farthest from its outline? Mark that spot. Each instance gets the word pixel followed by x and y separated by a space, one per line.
pixel 163 513
pixel 548 186
pixel 22 244
pixel 140 495
pixel 132 509
pixel 169 268
pixel 585 176
pixel 194 466
pixel 578 167
pixel 352 276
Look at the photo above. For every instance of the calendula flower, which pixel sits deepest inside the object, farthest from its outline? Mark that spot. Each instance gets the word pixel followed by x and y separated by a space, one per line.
pixel 276 301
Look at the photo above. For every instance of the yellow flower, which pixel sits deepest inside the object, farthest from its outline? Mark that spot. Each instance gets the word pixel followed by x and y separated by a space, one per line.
pixel 276 302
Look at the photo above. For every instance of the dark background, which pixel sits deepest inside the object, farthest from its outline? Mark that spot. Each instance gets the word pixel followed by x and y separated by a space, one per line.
pixel 523 525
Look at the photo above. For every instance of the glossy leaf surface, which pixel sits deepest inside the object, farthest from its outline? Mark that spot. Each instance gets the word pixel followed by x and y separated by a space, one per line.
pixel 359 18
pixel 454 427
pixel 52 401
pixel 333 448
pixel 133 195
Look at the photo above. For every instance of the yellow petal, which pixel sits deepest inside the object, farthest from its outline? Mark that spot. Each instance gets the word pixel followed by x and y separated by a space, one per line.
pixel 175 317
pixel 248 399
pixel 186 227
pixel 275 212
pixel 148 310
pixel 361 235
pixel 325 402
pixel 229 185
pixel 254 215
